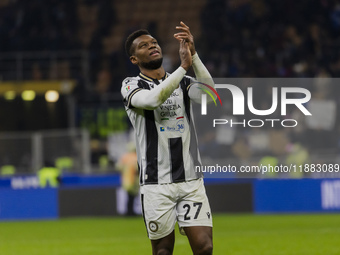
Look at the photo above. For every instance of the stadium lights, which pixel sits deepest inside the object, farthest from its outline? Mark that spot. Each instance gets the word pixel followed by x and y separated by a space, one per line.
pixel 10 95
pixel 64 87
pixel 28 95
pixel 51 96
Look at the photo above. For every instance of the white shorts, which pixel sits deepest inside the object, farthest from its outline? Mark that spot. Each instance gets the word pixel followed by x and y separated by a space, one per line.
pixel 165 204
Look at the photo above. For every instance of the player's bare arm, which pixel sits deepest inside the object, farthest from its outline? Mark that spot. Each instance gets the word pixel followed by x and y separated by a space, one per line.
pixel 185 54
pixel 201 72
pixel 186 35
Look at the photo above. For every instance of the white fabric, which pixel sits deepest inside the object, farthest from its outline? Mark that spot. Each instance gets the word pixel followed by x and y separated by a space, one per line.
pixel 151 99
pixel 202 75
pixel 166 204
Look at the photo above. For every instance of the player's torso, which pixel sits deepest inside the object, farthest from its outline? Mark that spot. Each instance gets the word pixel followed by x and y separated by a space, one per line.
pixel 170 117
pixel 163 136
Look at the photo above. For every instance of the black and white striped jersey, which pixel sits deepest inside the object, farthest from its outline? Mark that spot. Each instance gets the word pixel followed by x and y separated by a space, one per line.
pixel 165 137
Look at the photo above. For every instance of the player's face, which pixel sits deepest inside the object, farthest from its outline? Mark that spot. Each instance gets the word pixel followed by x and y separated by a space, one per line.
pixel 146 50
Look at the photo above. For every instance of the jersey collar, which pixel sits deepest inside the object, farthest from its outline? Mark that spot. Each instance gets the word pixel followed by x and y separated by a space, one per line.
pixel 153 80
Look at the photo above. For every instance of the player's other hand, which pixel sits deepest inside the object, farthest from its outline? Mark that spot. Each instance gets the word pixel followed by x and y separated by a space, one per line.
pixel 185 54
pixel 186 35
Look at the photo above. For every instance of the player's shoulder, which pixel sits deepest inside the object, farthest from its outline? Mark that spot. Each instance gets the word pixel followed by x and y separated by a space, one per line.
pixel 188 77
pixel 129 84
pixel 187 81
pixel 130 81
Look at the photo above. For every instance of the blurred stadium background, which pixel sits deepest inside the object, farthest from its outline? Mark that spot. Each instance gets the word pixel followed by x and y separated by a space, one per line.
pixel 61 67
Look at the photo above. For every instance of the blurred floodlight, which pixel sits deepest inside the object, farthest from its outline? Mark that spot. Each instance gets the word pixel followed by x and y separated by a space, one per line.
pixel 28 95
pixel 9 95
pixel 51 96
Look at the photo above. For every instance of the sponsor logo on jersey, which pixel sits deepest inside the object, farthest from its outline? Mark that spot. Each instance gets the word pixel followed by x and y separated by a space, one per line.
pixel 179 127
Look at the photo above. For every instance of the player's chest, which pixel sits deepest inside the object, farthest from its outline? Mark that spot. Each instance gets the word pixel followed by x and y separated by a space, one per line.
pixel 172 108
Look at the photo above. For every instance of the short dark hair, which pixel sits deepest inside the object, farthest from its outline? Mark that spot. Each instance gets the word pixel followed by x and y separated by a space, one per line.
pixel 133 36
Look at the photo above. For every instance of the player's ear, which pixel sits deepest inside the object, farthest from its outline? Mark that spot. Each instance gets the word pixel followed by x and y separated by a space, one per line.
pixel 133 60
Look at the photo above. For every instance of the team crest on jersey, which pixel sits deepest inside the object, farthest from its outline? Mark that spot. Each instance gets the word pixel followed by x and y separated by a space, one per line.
pixel 153 226
pixel 128 88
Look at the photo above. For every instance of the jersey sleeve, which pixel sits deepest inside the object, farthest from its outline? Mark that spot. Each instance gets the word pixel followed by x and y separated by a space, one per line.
pixel 192 91
pixel 150 99
pixel 129 89
pixel 202 81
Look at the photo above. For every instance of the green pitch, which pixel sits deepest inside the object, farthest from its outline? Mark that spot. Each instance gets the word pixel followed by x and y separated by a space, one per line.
pixel 233 235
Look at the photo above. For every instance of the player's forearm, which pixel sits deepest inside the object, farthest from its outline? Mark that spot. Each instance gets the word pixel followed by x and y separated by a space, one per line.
pixel 201 72
pixel 151 99
pixel 202 75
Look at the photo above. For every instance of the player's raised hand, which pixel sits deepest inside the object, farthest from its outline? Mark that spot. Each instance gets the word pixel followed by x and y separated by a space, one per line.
pixel 186 35
pixel 185 54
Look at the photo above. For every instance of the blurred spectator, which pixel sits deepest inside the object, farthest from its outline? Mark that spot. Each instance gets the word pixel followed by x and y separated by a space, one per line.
pixel 49 176
pixel 103 83
pixel 297 155
pixel 36 72
pixel 267 164
pixel 64 164
pixel 127 164
pixel 7 170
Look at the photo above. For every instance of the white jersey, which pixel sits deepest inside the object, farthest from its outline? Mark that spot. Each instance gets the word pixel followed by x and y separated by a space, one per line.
pixel 166 138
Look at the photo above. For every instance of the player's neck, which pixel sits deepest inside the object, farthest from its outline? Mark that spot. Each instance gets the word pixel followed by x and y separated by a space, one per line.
pixel 157 74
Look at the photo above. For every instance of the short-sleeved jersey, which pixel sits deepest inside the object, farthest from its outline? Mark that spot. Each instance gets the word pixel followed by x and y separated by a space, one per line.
pixel 165 137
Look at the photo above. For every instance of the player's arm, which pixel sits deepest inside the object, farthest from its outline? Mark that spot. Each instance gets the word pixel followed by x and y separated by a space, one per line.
pixel 201 72
pixel 151 99
pixel 202 75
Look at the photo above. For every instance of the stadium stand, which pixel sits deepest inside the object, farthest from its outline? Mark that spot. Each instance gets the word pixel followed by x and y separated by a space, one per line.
pixel 83 40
